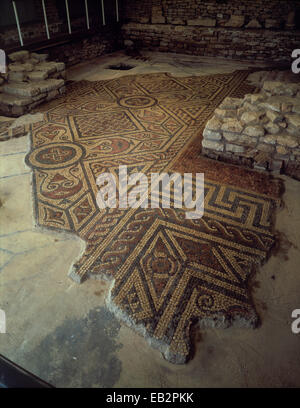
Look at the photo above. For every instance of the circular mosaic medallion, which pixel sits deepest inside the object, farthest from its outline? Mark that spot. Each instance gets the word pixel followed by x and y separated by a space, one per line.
pixel 55 155
pixel 137 101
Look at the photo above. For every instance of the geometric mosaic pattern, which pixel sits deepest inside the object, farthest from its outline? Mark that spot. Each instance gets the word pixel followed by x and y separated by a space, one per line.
pixel 168 272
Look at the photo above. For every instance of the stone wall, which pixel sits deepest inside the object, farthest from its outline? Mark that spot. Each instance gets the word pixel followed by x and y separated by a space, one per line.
pixel 10 38
pixel 78 50
pixel 243 29
pixel 35 31
pixel 81 50
pixel 232 13
pixel 52 12
pixel 261 131
pixel 73 49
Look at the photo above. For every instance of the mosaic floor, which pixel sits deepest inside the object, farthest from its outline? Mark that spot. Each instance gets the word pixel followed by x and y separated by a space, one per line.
pixel 168 272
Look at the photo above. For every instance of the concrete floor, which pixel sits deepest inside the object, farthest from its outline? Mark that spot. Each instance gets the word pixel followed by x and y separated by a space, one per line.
pixel 62 331
pixel 150 62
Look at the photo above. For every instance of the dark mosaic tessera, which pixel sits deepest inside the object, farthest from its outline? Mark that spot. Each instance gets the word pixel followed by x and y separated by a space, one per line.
pixel 167 272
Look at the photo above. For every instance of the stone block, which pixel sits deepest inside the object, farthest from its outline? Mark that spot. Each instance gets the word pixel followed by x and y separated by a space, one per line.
pixel 272 128
pixel 271 104
pixel 285 139
pixel 251 118
pixel 213 145
pixel 281 150
pixel 203 22
pixel 225 113
pixel 214 123
pixel 28 67
pixel 60 66
pixel 234 148
pixel 32 61
pixel 37 75
pixel 286 107
pixel 256 98
pixel 16 67
pixel 176 21
pixel 235 21
pixel 10 100
pixel 293 120
pixel 17 76
pixel 293 131
pixel 246 141
pixel 247 106
pixel 179 29
pixel 40 57
pixel 269 86
pixel 270 139
pixel 21 89
pixel 232 125
pixel 280 88
pixel 254 131
pixel 212 135
pixel 143 20
pixel 266 148
pixel 272 23
pixel 273 116
pixel 231 103
pixel 231 137
pixel 158 19
pixel 49 67
pixel 19 56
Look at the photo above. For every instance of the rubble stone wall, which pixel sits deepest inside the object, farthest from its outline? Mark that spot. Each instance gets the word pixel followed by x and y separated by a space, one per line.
pixel 85 49
pixel 261 131
pixel 79 50
pixel 258 30
pixel 105 39
pixel 269 14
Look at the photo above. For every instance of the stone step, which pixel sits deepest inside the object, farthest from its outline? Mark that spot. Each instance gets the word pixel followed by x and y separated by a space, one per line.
pixel 28 67
pixel 37 75
pixel 50 67
pixel 13 105
pixel 21 89
pixel 32 89
pixel 17 76
pixel 13 100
